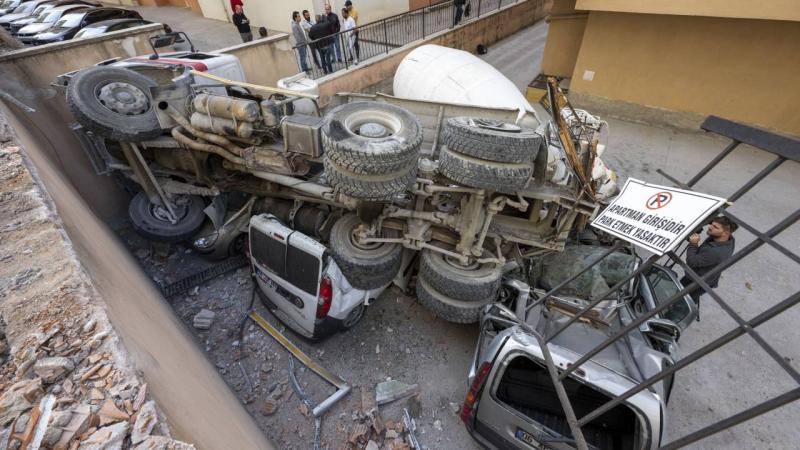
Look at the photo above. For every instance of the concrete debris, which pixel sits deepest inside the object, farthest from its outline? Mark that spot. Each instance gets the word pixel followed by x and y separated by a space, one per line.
pixel 437 424
pixel 106 438
pixel 33 391
pixel 391 434
pixel 455 407
pixel 13 402
pixel 269 407
pixel 163 443
pixel 140 397
pixel 359 434
pixel 203 319
pixel 109 413
pixel 145 422
pixel 78 424
pixel 389 391
pixel 53 368
pixel 372 445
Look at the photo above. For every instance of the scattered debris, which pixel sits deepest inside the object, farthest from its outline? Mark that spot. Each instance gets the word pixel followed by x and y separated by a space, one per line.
pixel 53 368
pixel 411 427
pixel 145 422
pixel 203 319
pixel 106 438
pixel 269 407
pixel 372 445
pixel 389 391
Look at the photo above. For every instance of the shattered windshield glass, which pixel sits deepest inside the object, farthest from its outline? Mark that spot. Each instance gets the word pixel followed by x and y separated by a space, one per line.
pixel 556 268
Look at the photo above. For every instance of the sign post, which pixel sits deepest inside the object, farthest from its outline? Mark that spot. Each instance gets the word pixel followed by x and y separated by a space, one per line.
pixel 656 218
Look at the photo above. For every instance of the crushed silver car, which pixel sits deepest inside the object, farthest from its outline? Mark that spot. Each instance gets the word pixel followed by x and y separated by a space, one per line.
pixel 512 401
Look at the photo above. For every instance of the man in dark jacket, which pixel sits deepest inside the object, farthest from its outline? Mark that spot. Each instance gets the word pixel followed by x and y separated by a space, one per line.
pixel 333 20
pixel 320 34
pixel 703 258
pixel 242 24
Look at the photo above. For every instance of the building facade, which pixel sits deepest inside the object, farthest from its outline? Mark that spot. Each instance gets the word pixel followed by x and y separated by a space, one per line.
pixel 676 61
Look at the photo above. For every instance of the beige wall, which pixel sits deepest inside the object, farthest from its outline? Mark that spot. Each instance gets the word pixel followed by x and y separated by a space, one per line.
pixel 746 70
pixel 745 9
pixel 372 10
pixel 492 28
pixel 564 37
pixel 215 9
pixel 265 61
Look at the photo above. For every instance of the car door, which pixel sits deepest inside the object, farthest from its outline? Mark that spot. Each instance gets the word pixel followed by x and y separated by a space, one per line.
pixel 288 267
pixel 658 286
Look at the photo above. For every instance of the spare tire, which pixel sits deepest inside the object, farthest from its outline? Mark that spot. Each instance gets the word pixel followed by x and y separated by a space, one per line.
pixel 473 172
pixel 492 140
pixel 114 103
pixel 371 137
pixel 373 187
pixel 150 221
pixel 473 283
pixel 365 267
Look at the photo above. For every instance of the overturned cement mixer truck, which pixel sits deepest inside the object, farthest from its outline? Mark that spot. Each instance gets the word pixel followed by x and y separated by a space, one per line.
pixel 470 187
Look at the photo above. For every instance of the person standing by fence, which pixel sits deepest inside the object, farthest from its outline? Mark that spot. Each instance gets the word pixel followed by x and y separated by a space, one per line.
pixel 459 4
pixel 242 24
pixel 321 41
pixel 353 13
pixel 300 40
pixel 349 34
pixel 333 19
pixel 307 23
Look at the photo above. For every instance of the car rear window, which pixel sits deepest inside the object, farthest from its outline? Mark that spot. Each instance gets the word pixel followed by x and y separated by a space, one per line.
pixel 276 257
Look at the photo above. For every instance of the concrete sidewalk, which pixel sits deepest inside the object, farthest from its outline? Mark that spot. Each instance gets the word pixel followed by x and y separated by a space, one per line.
pixel 206 34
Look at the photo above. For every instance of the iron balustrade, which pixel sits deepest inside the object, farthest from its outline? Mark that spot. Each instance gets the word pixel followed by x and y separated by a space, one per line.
pixel 381 37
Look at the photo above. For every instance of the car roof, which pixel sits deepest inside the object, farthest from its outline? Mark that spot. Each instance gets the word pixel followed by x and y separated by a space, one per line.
pixel 69 7
pixel 112 22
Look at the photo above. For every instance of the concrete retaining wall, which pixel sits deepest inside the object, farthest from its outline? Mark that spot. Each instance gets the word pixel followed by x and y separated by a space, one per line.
pixel 488 30
pixel 199 406
pixel 265 61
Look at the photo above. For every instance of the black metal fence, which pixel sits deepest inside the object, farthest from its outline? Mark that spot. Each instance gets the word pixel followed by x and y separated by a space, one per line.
pixel 347 48
pixel 784 149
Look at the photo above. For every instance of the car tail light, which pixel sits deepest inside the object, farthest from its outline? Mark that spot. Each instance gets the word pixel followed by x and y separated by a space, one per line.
pixel 474 390
pixel 325 297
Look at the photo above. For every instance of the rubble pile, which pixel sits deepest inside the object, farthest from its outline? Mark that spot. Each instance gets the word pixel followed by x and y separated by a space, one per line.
pixel 65 380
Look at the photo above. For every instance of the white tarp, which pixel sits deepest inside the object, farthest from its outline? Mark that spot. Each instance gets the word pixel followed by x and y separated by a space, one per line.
pixel 656 218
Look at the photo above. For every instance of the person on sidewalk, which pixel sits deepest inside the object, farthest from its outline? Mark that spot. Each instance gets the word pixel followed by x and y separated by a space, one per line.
pixel 242 24
pixel 349 34
pixel 333 19
pixel 459 4
pixel 307 23
pixel 353 12
pixel 300 40
pixel 703 258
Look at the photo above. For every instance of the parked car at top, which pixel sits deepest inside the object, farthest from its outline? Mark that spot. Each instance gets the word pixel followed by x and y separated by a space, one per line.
pixel 8 5
pixel 41 11
pixel 107 26
pixel 512 402
pixel 19 23
pixel 20 12
pixel 69 25
pixel 46 20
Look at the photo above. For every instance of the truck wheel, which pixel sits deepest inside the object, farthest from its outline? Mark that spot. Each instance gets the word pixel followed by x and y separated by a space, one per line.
pixel 367 266
pixel 371 137
pixel 491 140
pixel 473 283
pixel 473 172
pixel 377 187
pixel 150 220
pixel 448 308
pixel 114 103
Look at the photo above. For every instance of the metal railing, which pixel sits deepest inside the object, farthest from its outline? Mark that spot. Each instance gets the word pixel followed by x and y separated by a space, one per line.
pixel 347 48
pixel 784 149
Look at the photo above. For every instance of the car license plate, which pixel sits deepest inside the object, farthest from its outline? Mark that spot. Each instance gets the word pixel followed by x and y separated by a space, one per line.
pixel 527 438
